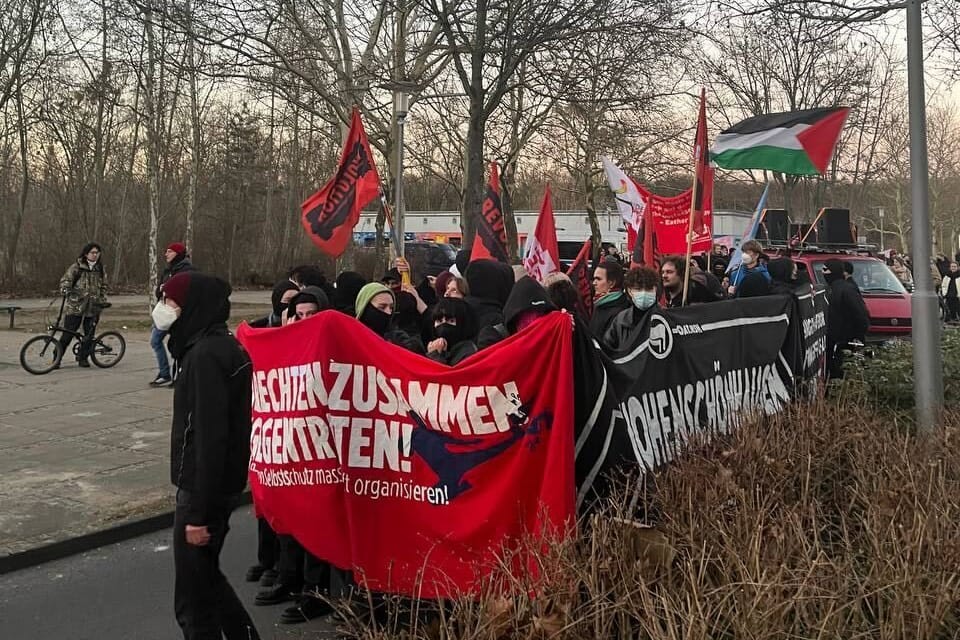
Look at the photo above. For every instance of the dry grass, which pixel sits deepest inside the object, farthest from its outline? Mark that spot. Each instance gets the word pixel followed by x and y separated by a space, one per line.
pixel 824 522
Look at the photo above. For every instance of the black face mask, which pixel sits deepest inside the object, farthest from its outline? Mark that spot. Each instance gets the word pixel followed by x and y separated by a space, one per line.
pixel 449 332
pixel 832 277
pixel 376 320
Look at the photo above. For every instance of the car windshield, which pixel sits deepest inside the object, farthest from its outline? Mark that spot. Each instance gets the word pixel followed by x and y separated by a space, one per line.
pixel 449 251
pixel 872 276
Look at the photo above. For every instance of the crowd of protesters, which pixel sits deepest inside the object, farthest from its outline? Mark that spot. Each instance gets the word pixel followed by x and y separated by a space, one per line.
pixel 447 318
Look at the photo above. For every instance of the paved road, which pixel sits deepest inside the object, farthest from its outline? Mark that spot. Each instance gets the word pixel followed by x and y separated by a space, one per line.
pixel 125 592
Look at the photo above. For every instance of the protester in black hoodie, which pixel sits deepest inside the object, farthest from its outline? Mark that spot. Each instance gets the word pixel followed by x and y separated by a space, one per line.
pixel 847 317
pixel 451 332
pixel 783 276
pixel 348 285
pixel 490 283
pixel 281 295
pixel 209 452
pixel 528 302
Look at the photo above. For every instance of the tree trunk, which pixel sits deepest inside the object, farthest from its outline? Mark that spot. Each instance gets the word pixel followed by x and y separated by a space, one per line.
pixel 14 240
pixel 473 174
pixel 154 125
pixel 194 134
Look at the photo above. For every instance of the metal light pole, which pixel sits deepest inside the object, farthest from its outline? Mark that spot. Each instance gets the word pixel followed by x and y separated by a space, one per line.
pixel 401 107
pixel 927 364
pixel 880 212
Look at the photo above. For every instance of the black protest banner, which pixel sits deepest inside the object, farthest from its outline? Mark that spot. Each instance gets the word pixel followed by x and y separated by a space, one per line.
pixel 812 322
pixel 687 373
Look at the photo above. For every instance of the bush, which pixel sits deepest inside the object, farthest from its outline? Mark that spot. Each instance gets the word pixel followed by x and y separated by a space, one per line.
pixel 822 522
pixel 885 381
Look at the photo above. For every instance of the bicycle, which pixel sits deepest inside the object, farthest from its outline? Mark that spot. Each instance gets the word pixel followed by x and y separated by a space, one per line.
pixel 41 354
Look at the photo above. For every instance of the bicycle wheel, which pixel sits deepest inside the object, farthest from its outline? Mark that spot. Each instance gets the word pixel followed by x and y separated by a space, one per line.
pixel 108 349
pixel 40 354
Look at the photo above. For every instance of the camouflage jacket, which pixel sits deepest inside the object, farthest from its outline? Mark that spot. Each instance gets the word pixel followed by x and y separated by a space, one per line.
pixel 85 288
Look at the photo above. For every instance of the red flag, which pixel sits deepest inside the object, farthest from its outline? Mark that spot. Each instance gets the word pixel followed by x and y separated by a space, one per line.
pixel 330 214
pixel 542 254
pixel 579 274
pixel 490 243
pixel 703 189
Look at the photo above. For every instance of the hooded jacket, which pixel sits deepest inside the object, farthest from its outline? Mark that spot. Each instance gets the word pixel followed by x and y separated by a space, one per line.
pixel 275 318
pixel 527 295
pixel 390 333
pixel 605 310
pixel 490 284
pixel 847 316
pixel 459 339
pixel 348 285
pixel 210 435
pixel 781 276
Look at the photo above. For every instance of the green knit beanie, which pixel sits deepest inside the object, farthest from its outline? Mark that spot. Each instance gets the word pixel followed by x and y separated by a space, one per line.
pixel 367 293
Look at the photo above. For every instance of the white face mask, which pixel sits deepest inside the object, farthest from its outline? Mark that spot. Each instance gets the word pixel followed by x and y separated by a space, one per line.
pixel 643 300
pixel 748 259
pixel 163 316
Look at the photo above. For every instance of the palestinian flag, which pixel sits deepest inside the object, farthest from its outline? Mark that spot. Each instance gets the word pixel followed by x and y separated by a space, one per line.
pixel 796 143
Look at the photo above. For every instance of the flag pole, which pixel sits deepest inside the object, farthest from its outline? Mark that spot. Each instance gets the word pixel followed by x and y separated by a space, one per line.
pixel 693 196
pixel 686 269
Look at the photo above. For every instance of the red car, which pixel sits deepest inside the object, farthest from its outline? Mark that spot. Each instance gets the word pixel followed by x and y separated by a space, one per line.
pixel 888 303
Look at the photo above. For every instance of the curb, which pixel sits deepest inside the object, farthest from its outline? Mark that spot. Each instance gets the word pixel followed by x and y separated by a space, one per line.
pixel 94 540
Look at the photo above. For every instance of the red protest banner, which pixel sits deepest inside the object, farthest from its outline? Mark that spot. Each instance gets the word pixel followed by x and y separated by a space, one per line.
pixel 671 219
pixel 410 473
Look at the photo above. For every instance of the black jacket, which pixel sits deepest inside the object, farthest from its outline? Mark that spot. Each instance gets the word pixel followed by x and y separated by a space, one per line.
pixel 527 295
pixel 178 266
pixel 847 317
pixel 603 314
pixel 625 325
pixel 210 435
pixel 490 284
pixel 454 355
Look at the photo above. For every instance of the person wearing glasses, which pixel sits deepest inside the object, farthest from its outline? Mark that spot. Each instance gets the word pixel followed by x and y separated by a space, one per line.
pixel 85 287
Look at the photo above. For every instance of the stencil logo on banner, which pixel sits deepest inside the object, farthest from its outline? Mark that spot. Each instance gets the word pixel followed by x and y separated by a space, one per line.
pixel 452 458
pixel 661 337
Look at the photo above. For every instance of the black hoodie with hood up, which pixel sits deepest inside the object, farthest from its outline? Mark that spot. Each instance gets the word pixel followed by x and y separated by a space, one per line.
pixel 490 283
pixel 781 277
pixel 527 295
pixel 847 316
pixel 210 435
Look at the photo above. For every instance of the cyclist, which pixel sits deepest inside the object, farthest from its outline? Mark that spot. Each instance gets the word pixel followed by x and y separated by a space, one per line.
pixel 85 287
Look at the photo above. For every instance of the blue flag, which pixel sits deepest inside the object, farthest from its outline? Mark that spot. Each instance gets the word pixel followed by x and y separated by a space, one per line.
pixel 737 260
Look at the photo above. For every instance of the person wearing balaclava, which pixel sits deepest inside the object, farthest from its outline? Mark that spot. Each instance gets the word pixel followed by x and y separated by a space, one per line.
pixel 375 306
pixel 176 262
pixel 490 283
pixel 307 303
pixel 528 302
pixel 451 332
pixel 346 288
pixel 84 287
pixel 209 450
pixel 847 317
pixel 283 292
pixel 640 285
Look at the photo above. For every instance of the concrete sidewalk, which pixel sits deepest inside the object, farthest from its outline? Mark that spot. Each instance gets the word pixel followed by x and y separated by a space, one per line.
pixel 80 449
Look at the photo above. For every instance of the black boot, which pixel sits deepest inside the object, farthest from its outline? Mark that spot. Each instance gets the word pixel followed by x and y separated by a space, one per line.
pixel 275 595
pixel 308 607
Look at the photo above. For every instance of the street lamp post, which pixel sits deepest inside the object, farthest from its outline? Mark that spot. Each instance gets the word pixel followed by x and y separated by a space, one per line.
pixel 401 107
pixel 927 363
pixel 880 213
